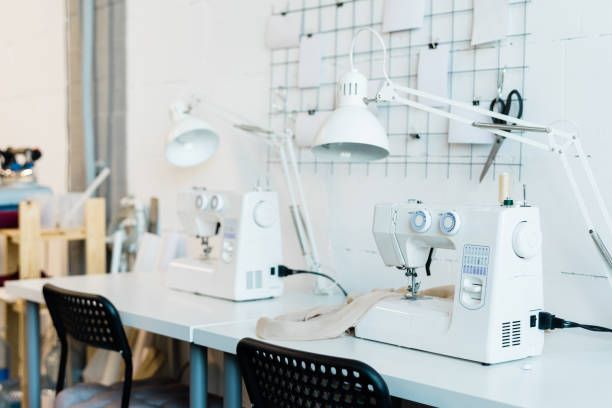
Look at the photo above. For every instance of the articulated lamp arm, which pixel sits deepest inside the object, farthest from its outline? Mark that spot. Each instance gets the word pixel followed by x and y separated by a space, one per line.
pixel 558 142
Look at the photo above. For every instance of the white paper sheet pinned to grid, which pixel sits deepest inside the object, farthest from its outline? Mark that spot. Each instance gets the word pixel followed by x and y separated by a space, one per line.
pixel 309 70
pixel 284 31
pixel 490 21
pixel 403 15
pixel 307 125
pixel 433 73
pixel 461 133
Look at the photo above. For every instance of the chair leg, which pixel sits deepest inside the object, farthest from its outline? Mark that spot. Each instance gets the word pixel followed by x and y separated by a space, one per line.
pixel 61 375
pixel 127 383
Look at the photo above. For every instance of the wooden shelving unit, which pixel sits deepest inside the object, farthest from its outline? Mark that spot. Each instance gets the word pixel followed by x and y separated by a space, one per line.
pixel 23 252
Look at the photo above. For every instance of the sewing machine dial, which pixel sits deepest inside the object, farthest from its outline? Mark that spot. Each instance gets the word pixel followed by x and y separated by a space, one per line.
pixel 201 202
pixel 421 221
pixel 217 203
pixel 450 223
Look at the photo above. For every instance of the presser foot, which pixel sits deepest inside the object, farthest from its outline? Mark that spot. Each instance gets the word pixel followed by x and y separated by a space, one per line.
pixel 414 286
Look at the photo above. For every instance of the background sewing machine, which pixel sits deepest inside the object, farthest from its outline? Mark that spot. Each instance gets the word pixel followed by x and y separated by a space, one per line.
pixel 241 245
pixel 492 317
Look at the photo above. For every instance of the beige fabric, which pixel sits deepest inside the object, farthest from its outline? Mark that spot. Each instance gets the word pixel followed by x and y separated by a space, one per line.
pixel 327 322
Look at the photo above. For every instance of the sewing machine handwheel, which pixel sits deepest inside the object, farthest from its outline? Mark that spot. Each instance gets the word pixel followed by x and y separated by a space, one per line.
pixel 264 214
pixel 526 240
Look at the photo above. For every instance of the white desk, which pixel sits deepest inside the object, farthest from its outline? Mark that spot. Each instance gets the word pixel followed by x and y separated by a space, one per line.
pixel 574 370
pixel 144 303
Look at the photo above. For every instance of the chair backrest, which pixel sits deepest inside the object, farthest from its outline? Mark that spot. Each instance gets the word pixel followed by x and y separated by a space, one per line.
pixel 284 378
pixel 90 319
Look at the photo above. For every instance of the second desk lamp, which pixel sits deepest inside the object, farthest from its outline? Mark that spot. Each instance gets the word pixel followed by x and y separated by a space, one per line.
pixel 192 141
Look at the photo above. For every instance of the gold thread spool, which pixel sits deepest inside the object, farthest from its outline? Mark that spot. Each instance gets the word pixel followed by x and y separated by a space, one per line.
pixel 504 187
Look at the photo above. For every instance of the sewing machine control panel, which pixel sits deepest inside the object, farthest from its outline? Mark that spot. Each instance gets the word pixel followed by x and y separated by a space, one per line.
pixel 474 271
pixel 230 227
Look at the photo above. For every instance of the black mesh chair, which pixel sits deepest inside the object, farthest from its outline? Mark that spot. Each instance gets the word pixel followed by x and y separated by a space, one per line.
pixel 90 319
pixel 277 377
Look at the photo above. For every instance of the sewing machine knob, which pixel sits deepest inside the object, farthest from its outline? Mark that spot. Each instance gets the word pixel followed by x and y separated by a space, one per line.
pixel 526 240
pixel 450 223
pixel 421 221
pixel 201 202
pixel 264 214
pixel 217 203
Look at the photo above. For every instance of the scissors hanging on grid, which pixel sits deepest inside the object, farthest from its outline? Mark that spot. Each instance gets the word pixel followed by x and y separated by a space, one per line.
pixel 511 106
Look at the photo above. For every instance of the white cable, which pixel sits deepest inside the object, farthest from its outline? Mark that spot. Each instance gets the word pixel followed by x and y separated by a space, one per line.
pixel 382 43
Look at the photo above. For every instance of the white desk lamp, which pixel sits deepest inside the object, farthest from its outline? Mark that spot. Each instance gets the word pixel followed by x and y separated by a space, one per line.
pixel 351 132
pixel 559 141
pixel 192 141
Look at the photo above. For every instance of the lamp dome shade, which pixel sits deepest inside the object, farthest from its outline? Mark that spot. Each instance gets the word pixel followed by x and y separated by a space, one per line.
pixel 190 141
pixel 351 133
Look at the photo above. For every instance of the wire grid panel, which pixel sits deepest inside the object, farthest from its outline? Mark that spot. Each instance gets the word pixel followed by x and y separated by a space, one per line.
pixel 418 140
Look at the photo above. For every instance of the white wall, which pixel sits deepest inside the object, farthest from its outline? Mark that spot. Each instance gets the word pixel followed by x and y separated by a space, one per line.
pixel 182 48
pixel 33 84
pixel 215 49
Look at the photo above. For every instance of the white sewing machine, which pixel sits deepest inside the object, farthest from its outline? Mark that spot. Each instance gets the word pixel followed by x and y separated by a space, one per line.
pixel 493 316
pixel 242 263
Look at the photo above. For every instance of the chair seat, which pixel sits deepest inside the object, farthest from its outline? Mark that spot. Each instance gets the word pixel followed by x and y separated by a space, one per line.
pixel 145 394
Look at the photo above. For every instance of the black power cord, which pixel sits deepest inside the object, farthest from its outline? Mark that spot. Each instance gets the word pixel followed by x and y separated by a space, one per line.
pixel 285 271
pixel 548 321
pixel 428 263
